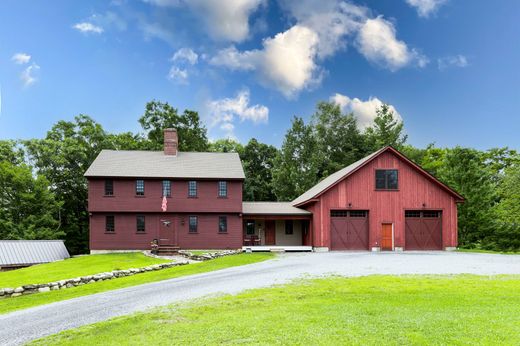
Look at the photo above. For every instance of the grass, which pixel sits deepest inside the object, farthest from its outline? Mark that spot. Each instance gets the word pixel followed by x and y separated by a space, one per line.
pixel 373 310
pixel 489 251
pixel 74 267
pixel 23 302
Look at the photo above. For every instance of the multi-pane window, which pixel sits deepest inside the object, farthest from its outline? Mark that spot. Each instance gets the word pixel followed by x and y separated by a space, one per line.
pixel 110 225
pixel 425 213
pixel 109 187
pixel 139 187
pixel 222 224
pixel 193 223
pixel 166 188
pixel 192 188
pixel 140 222
pixel 288 227
pixel 386 179
pixel 222 188
pixel 250 227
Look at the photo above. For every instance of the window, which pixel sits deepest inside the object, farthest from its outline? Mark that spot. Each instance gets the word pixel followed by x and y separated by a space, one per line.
pixel 193 224
pixel 358 213
pixel 425 213
pixel 222 224
pixel 192 188
pixel 288 227
pixel 109 187
pixel 139 187
pixel 222 188
pixel 412 213
pixel 250 227
pixel 166 188
pixel 140 223
pixel 386 179
pixel 110 225
pixel 429 213
pixel 338 213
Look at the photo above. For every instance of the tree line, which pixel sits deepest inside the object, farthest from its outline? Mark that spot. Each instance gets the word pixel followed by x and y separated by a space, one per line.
pixel 43 194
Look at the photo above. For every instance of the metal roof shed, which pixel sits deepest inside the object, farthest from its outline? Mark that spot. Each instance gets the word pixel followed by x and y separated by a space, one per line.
pixel 22 253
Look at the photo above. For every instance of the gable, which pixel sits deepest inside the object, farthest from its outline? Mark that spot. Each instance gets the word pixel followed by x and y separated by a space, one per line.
pixel 335 178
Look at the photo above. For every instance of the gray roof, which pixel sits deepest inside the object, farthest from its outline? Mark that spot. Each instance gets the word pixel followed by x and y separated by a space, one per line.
pixel 19 252
pixel 272 208
pixel 333 178
pixel 154 164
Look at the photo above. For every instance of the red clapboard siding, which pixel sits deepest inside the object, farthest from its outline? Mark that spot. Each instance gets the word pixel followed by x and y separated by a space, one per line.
pixel 126 237
pixel 358 189
pixel 125 200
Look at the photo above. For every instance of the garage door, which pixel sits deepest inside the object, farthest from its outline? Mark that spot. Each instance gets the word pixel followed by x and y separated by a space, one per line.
pixel 423 230
pixel 349 229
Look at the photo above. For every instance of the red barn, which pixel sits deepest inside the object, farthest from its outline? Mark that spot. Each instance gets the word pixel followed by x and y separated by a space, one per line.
pixel 381 202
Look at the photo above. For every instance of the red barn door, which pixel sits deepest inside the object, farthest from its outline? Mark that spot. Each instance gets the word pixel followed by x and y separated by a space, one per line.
pixel 423 230
pixel 349 230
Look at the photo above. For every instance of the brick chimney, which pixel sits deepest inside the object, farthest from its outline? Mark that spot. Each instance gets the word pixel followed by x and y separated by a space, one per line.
pixel 171 142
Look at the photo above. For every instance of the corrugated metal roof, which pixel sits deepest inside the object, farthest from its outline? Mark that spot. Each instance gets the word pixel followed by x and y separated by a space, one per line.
pixel 332 179
pixel 154 164
pixel 18 252
pixel 272 208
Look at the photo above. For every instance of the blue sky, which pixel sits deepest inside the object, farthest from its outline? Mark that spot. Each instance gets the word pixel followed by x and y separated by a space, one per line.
pixel 449 68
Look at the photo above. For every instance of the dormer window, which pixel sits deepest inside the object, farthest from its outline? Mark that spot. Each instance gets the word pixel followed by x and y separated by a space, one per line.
pixel 386 179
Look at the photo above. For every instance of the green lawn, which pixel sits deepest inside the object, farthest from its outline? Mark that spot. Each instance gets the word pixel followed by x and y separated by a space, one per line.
pixel 373 310
pixel 23 302
pixel 74 267
pixel 489 251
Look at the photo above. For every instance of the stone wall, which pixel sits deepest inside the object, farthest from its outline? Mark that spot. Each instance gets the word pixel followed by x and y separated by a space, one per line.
pixel 83 280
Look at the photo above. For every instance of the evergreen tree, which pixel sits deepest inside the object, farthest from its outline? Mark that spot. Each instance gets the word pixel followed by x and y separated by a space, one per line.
pixel 386 130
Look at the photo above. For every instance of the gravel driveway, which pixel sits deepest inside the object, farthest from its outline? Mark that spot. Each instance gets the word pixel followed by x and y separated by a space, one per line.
pixel 25 325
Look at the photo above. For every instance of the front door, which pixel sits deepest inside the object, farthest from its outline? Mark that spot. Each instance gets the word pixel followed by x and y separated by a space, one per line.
pixel 166 231
pixel 270 232
pixel 387 240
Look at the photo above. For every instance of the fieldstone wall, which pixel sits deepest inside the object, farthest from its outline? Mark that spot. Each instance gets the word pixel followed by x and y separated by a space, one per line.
pixel 83 280
pixel 209 255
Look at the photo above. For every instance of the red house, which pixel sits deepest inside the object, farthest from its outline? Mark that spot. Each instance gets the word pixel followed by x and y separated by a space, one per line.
pixel 194 201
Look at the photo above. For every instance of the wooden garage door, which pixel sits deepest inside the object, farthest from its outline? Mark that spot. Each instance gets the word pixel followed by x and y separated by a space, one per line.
pixel 423 230
pixel 349 229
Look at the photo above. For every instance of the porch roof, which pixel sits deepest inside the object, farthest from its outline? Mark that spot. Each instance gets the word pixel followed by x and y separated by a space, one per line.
pixel 272 208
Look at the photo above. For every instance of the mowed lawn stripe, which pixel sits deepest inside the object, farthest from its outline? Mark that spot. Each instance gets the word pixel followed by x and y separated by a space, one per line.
pixel 373 310
pixel 74 267
pixel 23 302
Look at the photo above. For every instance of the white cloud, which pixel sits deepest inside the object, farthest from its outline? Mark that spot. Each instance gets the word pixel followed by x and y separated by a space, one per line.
pixel 365 111
pixel 377 41
pixel 452 61
pixel 21 58
pixel 332 20
pixel 224 112
pixel 178 75
pixel 186 55
pixel 226 20
pixel 426 7
pixel 86 27
pixel 29 75
pixel 287 60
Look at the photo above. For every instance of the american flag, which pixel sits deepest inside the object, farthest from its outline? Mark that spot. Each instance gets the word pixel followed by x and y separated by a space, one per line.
pixel 164 205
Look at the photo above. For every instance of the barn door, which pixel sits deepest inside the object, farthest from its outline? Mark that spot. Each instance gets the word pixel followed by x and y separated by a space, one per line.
pixel 423 230
pixel 349 230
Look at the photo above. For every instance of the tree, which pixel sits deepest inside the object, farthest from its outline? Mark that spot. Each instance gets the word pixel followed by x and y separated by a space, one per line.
pixel 159 116
pixel 464 170
pixel 296 168
pixel 62 157
pixel 339 142
pixel 11 152
pixel 258 160
pixel 28 209
pixel 226 145
pixel 386 130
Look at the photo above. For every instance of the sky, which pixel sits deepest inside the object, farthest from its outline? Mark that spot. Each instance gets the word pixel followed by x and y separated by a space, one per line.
pixel 449 68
